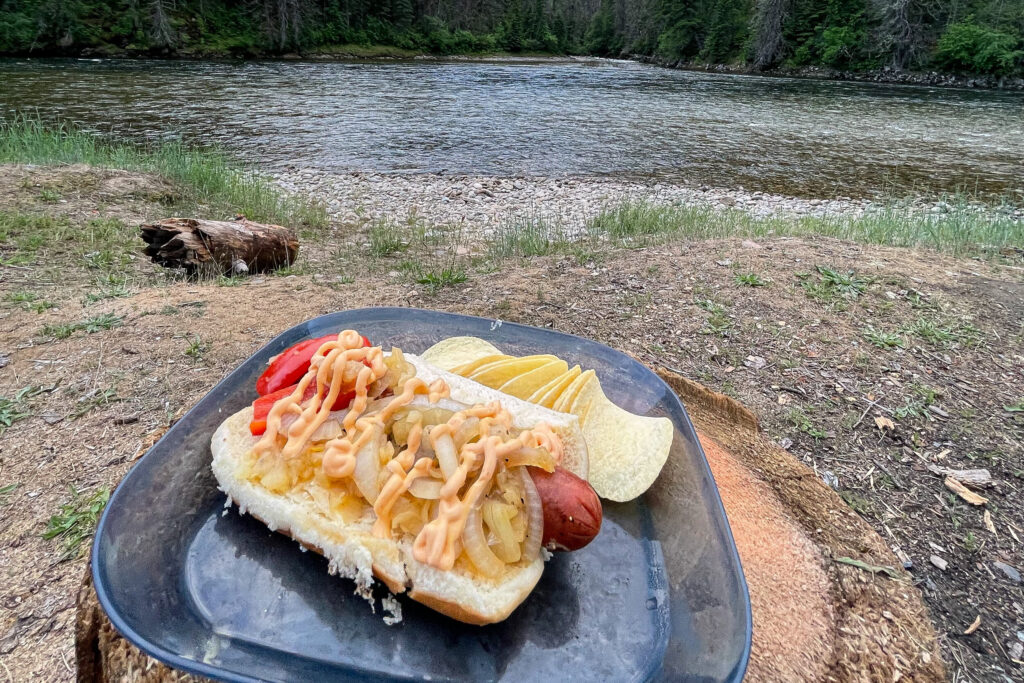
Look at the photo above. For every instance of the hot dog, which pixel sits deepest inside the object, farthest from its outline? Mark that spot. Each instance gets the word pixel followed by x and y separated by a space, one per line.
pixel 438 486
pixel 572 510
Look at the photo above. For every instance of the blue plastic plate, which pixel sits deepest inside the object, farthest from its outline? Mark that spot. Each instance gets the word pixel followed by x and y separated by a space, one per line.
pixel 659 595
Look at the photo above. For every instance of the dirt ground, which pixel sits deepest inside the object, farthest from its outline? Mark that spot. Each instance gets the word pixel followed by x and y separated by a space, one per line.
pixel 914 362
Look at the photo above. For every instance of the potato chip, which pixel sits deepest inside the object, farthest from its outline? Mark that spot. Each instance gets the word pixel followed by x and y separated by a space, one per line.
pixel 466 369
pixel 627 451
pixel 524 385
pixel 549 393
pixel 455 351
pixel 569 395
pixel 495 374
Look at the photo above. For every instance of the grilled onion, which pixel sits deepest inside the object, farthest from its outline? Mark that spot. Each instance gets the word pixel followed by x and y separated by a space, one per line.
pixel 428 489
pixel 447 458
pixel 534 516
pixel 498 517
pixel 367 472
pixel 475 544
pixel 534 457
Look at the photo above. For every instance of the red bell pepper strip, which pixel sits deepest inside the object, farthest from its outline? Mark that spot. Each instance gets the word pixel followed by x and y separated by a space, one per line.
pixel 261 406
pixel 289 367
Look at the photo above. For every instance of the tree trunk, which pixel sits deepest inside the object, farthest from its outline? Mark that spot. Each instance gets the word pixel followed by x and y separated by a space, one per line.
pixel 219 246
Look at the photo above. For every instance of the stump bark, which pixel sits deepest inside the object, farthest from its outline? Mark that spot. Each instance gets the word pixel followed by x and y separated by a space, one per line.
pixel 227 247
pixel 815 618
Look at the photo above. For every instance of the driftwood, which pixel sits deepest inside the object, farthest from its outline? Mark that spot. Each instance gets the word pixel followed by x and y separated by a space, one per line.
pixel 980 478
pixel 239 246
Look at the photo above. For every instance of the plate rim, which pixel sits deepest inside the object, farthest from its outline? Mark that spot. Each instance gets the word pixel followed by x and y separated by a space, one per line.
pixel 181 663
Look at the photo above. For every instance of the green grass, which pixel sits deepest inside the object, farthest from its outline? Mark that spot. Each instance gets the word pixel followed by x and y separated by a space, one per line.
pixel 16 408
pixel 206 177
pixel 386 238
pixel 961 230
pixel 105 321
pixel 529 235
pixel 444 277
pixel 957 333
pixel 882 339
pixel 750 280
pixel 6 492
pixel 76 520
pixel 195 348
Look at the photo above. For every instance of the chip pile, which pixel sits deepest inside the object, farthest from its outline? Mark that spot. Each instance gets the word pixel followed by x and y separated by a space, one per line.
pixel 627 451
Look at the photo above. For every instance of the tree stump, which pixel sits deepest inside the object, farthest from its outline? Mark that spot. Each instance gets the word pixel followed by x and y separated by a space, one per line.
pixel 815 618
pixel 225 247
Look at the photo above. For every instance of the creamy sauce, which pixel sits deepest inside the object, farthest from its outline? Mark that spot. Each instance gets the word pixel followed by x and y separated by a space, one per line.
pixel 345 365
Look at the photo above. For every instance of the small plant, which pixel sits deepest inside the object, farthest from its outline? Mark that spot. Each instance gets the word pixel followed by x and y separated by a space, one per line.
pixel 113 288
pixel 14 409
pixel 917 405
pixel 105 321
pixel 446 277
pixel 861 505
pixel 386 238
pixel 5 493
pixel 883 340
pixel 803 423
pixel 944 336
pixel 76 520
pixel 49 196
pixel 229 280
pixel 93 399
pixel 1017 407
pixel 196 348
pixel 750 280
pixel 971 544
pixel 833 285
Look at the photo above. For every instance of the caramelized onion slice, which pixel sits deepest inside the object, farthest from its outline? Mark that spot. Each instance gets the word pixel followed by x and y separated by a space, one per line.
pixel 498 518
pixel 428 489
pixel 367 472
pixel 330 429
pixel 475 544
pixel 534 457
pixel 447 458
pixel 534 510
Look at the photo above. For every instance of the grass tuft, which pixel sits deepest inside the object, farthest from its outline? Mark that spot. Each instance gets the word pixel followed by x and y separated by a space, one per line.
pixel 76 520
pixel 105 321
pixel 206 177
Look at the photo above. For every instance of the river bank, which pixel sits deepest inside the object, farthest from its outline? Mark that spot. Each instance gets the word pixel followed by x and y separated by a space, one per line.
pixel 385 53
pixel 571 207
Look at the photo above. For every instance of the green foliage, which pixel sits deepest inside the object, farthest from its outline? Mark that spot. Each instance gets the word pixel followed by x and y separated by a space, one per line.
pixel 76 520
pixel 206 176
pixel 967 46
pixel 978 36
pixel 602 39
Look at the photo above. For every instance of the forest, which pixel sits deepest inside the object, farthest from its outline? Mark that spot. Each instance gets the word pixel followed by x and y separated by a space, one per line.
pixel 957 36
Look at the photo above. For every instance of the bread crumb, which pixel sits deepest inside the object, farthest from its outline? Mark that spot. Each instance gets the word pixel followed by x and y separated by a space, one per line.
pixel 393 610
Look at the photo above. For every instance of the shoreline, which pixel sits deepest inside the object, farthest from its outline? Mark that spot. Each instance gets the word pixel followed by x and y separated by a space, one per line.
pixel 384 53
pixel 487 203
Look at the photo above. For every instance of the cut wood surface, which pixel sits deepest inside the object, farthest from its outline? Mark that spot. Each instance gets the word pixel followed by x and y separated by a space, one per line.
pixel 234 247
pixel 830 601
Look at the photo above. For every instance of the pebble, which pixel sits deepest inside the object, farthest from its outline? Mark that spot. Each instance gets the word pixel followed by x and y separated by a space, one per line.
pixel 1016 651
pixel 1011 572
pixel 938 562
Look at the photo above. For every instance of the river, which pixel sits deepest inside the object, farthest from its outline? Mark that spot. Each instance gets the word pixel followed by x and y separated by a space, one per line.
pixel 549 118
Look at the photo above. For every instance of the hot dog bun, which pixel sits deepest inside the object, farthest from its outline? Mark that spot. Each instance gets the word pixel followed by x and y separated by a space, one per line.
pixel 355 553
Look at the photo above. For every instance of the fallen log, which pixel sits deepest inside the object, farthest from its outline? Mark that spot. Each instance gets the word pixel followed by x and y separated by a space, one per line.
pixel 227 247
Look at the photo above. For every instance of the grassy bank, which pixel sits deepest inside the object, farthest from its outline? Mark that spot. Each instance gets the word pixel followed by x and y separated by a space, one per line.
pixel 207 179
pixel 961 229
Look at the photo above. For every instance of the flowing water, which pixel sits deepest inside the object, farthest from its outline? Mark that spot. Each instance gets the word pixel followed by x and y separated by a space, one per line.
pixel 799 137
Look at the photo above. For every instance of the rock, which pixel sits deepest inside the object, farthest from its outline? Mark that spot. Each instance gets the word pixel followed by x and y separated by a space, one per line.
pixel 1016 650
pixel 1010 572
pixel 755 362
pixel 938 562
pixel 750 244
